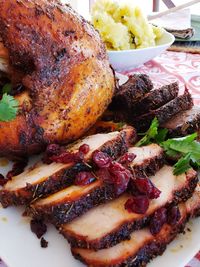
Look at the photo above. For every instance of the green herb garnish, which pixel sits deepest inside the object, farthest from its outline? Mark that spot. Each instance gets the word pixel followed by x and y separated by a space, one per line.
pixel 161 136
pixel 150 134
pixel 182 165
pixel 186 150
pixel 8 107
pixel 153 135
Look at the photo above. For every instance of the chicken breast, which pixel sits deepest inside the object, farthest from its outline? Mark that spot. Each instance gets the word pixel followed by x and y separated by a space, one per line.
pixel 62 63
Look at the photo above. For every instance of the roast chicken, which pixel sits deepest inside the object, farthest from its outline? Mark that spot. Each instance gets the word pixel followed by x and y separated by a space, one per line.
pixel 61 62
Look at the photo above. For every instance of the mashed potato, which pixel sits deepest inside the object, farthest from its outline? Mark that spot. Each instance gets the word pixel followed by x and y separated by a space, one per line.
pixel 122 25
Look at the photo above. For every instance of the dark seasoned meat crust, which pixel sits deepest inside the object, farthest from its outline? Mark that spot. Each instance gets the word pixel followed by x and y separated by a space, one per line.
pixel 154 99
pixel 62 62
pixel 148 252
pixel 60 205
pixel 164 113
pixel 53 183
pixel 73 208
pixel 157 247
pixel 124 230
pixel 142 246
pixel 135 88
pixel 117 147
pixel 184 123
pixel 64 177
pixel 148 166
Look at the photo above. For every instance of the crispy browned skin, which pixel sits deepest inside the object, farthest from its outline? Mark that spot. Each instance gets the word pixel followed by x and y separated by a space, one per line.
pixel 62 62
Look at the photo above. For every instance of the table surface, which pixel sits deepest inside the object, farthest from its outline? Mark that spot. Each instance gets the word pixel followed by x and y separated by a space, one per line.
pixel 167 68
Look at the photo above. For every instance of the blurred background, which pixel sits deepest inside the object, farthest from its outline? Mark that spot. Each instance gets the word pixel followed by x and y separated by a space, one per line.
pixel 83 6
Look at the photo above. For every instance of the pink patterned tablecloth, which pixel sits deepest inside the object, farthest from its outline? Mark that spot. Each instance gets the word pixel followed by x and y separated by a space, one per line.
pixel 170 67
pixel 173 66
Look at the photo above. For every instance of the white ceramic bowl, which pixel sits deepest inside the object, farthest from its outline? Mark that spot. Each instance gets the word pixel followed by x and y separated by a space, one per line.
pixel 127 59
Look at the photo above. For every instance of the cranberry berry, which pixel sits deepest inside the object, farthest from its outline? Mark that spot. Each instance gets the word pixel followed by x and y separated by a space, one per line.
pixel 84 178
pixel 173 215
pixel 84 149
pixel 116 175
pixel 137 204
pixel 158 220
pixel 101 159
pixel 104 175
pixel 55 153
pixel 51 150
pixel 17 168
pixel 64 157
pixel 127 158
pixel 38 227
pixel 120 177
pixel 145 186
pixel 133 189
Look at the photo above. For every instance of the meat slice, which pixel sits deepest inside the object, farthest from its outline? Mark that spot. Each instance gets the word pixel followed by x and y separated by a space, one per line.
pixel 142 245
pixel 108 224
pixel 70 203
pixel 136 87
pixel 184 123
pixel 154 99
pixel 149 159
pixel 133 107
pixel 164 113
pixel 42 179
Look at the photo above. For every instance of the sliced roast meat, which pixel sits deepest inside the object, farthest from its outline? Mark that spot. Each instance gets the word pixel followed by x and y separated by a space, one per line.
pixel 135 88
pixel 125 109
pixel 164 113
pixel 154 99
pixel 142 245
pixel 42 179
pixel 149 159
pixel 110 223
pixel 184 123
pixel 69 203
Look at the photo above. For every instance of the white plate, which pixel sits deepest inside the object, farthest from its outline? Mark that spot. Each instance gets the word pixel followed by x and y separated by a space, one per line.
pixel 128 59
pixel 19 247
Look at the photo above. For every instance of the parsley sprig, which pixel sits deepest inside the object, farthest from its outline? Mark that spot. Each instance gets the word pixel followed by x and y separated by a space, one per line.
pixel 153 134
pixel 186 150
pixel 8 107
